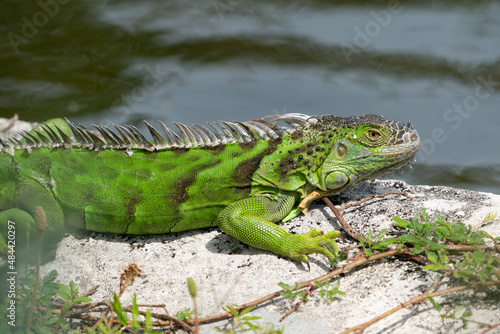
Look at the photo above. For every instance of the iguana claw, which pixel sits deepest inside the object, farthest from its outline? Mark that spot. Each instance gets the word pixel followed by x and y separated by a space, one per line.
pixel 312 242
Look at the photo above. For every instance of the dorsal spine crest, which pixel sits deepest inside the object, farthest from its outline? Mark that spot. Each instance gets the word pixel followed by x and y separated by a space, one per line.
pixel 128 137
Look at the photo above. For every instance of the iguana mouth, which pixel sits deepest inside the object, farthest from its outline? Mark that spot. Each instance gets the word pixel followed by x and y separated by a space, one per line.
pixel 400 155
pixel 410 146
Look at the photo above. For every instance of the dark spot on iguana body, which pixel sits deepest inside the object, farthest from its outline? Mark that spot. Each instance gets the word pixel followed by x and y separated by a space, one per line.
pixel 245 170
pixel 249 145
pixel 167 166
pixel 143 174
pixel 236 154
pixel 214 149
pixel 131 208
pixel 109 172
pixel 179 151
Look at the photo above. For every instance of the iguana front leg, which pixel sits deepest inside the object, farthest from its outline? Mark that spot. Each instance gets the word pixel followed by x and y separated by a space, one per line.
pixel 311 197
pixel 251 221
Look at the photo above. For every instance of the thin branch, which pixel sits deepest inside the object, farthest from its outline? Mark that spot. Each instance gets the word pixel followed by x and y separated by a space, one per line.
pixel 418 299
pixel 89 291
pixel 307 292
pixel 348 228
pixel 490 328
pixel 470 248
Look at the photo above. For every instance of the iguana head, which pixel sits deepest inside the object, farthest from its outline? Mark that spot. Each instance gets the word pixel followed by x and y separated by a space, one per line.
pixel 332 153
pixel 365 147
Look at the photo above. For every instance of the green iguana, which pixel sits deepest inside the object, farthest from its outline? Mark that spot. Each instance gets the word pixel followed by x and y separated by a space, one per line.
pixel 240 176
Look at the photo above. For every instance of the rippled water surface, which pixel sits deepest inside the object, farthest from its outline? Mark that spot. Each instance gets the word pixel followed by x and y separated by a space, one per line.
pixel 436 63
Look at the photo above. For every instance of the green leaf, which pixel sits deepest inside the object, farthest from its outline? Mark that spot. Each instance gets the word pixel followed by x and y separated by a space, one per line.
pixel 465 273
pixel 148 323
pixel 431 256
pixel 446 225
pixel 135 314
pixel 285 286
pixel 362 241
pixel 434 246
pixel 479 257
pixel 433 267
pixel 424 215
pixel 74 288
pixel 435 304
pixel 401 222
pixel 64 288
pixel 369 238
pixel 82 299
pixel 380 235
pixel 63 294
pixel 245 311
pixel 417 250
pixel 184 314
pixel 232 310
pixel 382 244
pixel 338 292
pixel 117 307
pixel 411 239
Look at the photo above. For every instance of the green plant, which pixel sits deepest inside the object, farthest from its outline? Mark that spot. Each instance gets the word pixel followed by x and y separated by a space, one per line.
pixel 329 291
pixel 290 291
pixel 242 323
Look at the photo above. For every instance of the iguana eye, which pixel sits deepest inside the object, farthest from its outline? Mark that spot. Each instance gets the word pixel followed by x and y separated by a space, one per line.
pixel 373 134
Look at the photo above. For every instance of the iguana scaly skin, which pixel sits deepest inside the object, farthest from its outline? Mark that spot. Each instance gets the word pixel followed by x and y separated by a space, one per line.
pixel 240 176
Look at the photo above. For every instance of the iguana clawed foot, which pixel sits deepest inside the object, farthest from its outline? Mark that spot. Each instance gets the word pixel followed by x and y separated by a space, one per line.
pixel 312 242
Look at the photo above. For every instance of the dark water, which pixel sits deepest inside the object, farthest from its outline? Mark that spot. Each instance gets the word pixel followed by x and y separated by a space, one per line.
pixel 436 63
